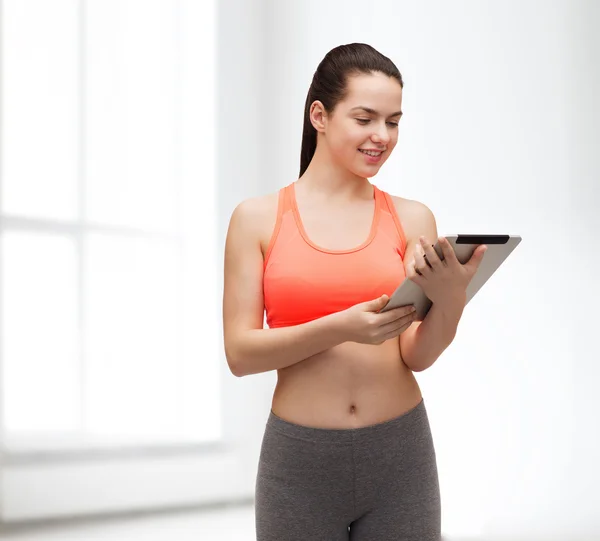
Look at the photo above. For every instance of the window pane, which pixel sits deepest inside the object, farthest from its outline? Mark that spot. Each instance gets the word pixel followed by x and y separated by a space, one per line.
pixel 132 113
pixel 202 341
pixel 133 346
pixel 203 334
pixel 39 341
pixel 146 365
pixel 40 107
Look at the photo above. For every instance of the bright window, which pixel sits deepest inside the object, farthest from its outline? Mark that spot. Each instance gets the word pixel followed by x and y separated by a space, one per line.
pixel 109 310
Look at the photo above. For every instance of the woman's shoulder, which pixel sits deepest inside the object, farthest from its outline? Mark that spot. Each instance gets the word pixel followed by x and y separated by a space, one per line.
pixel 257 207
pixel 259 213
pixel 413 215
pixel 409 207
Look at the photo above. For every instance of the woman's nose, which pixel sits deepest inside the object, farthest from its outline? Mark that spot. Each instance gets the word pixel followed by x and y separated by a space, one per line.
pixel 382 134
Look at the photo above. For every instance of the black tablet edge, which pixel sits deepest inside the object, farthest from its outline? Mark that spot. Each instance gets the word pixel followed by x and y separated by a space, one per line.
pixel 482 239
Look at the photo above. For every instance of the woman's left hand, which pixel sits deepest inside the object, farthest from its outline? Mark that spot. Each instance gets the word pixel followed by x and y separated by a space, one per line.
pixel 443 280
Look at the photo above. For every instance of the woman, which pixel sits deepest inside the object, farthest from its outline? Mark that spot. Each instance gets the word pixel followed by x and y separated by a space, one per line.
pixel 347 452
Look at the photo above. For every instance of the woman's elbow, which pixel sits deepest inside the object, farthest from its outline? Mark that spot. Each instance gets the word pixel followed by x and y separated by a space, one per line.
pixel 233 359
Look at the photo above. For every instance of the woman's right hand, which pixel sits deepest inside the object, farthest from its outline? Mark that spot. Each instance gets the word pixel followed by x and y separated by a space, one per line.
pixel 364 324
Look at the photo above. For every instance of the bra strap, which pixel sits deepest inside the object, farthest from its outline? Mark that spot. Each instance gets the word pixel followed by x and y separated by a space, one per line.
pixel 392 210
pixel 285 202
pixel 282 206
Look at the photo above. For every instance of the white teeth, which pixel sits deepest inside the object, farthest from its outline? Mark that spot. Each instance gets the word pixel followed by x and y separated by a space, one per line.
pixel 370 153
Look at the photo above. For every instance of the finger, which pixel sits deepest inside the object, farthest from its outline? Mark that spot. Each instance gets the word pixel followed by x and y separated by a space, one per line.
pixel 395 331
pixel 392 330
pixel 419 262
pixel 430 254
pixel 395 314
pixel 421 252
pixel 414 274
pixel 477 257
pixel 449 254
pixel 417 279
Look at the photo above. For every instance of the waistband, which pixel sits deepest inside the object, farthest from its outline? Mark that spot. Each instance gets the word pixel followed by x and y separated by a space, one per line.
pixel 408 419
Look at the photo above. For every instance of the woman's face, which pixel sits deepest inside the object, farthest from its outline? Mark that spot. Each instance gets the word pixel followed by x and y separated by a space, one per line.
pixel 367 119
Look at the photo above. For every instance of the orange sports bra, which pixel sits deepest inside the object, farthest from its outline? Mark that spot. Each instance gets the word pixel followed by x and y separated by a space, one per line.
pixel 303 282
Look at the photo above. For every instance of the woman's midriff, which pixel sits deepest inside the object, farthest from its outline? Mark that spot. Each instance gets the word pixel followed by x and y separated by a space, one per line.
pixel 349 386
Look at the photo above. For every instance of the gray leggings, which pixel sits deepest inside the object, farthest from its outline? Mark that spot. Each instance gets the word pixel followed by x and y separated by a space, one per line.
pixel 374 483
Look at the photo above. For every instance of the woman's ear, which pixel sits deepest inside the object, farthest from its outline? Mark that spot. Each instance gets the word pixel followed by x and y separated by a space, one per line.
pixel 318 116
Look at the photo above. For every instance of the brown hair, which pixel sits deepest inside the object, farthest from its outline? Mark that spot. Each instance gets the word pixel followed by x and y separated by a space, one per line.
pixel 329 85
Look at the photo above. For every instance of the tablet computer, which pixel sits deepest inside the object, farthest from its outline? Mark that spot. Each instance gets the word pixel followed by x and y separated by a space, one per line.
pixel 499 248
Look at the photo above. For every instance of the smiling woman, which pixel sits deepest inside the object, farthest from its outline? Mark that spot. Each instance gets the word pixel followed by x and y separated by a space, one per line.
pixel 375 153
pixel 347 447
pixel 365 118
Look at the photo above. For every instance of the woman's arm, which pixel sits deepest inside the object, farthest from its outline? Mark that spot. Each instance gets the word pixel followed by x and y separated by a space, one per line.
pixel 249 348
pixel 259 350
pixel 424 341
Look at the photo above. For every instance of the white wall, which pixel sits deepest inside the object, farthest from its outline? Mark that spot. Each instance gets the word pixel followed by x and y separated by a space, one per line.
pixel 240 172
pixel 582 270
pixel 499 134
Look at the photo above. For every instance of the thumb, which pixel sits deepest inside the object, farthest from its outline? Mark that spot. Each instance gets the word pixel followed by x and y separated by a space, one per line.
pixel 379 302
pixel 477 256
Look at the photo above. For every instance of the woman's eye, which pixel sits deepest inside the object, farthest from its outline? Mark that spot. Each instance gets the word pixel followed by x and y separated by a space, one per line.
pixel 363 121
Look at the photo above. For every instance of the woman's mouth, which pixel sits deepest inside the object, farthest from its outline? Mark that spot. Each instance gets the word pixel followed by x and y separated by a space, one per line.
pixel 371 156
